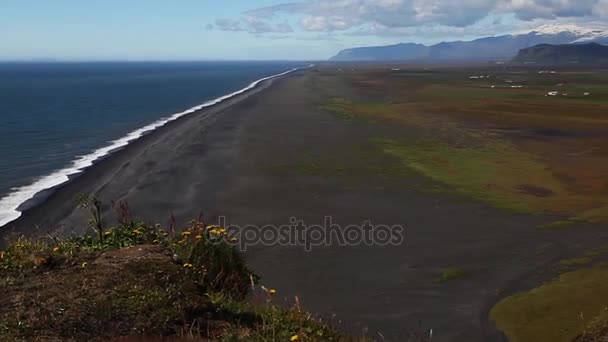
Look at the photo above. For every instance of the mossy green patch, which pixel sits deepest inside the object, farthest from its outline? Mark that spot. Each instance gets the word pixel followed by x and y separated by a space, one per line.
pixel 557 311
pixel 452 273
pixel 495 173
pixel 339 107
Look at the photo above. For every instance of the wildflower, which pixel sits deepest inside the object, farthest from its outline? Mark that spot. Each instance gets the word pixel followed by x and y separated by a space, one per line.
pixel 212 227
pixel 188 265
pixel 186 233
pixel 218 231
pixel 294 338
pixel 56 249
pixel 85 264
pixel 198 237
pixel 137 232
pixel 108 232
pixel 269 291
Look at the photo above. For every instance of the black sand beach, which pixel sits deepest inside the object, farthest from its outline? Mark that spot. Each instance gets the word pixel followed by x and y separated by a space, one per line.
pixel 235 160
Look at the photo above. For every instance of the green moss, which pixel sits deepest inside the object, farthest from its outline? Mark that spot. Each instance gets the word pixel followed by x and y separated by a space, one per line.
pixel 495 173
pixel 339 107
pixel 451 274
pixel 556 311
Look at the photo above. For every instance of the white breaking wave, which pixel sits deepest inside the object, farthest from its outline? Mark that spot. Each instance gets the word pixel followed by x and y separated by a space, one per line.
pixel 19 195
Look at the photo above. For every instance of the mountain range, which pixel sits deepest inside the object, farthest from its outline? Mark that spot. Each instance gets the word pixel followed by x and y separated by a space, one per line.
pixel 503 47
pixel 560 54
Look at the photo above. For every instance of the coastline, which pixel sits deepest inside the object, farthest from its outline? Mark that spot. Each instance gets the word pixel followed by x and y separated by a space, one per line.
pixel 276 154
pixel 30 214
pixel 23 199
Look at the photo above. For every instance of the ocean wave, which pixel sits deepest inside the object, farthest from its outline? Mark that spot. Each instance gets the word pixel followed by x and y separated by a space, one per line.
pixel 10 203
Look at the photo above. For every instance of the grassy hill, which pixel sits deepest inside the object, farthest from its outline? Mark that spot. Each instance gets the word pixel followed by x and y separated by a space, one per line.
pixel 140 281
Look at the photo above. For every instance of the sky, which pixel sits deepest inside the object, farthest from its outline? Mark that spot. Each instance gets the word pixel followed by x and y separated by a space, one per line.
pixel 261 29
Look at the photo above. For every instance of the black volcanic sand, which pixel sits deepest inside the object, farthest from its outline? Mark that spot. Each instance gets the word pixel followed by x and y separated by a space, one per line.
pixel 256 161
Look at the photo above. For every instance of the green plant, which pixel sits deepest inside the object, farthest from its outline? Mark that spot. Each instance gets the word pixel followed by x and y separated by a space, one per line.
pixel 451 274
pixel 94 206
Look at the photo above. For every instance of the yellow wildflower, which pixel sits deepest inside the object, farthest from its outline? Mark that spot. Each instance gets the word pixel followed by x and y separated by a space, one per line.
pixel 294 338
pixel 198 237
pixel 186 233
pixel 108 232
pixel 56 249
pixel 188 265
pixel 269 291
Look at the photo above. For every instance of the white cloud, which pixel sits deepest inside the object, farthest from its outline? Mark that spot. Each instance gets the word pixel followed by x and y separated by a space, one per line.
pixel 252 24
pixel 228 25
pixel 393 17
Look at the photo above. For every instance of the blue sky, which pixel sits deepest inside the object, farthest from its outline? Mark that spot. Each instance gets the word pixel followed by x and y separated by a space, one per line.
pixel 265 29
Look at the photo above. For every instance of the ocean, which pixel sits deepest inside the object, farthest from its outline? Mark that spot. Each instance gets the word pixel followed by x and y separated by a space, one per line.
pixel 58 118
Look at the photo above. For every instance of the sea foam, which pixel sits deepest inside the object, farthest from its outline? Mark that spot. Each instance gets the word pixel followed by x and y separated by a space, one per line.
pixel 10 203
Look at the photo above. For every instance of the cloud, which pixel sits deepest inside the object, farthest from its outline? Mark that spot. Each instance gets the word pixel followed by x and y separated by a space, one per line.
pixel 252 24
pixel 550 9
pixel 257 25
pixel 388 17
pixel 228 25
pixel 601 8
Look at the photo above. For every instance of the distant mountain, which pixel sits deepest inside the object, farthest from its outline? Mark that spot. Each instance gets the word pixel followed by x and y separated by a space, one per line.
pixel 501 47
pixel 562 54
pixel 387 53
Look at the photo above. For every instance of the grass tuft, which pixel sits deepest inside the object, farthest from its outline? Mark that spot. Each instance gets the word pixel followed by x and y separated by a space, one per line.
pixel 452 273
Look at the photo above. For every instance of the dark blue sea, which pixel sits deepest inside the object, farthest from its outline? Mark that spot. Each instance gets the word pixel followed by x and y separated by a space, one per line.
pixel 57 118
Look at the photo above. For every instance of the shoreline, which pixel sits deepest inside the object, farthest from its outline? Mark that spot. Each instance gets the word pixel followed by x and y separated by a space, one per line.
pixel 21 200
pixel 32 214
